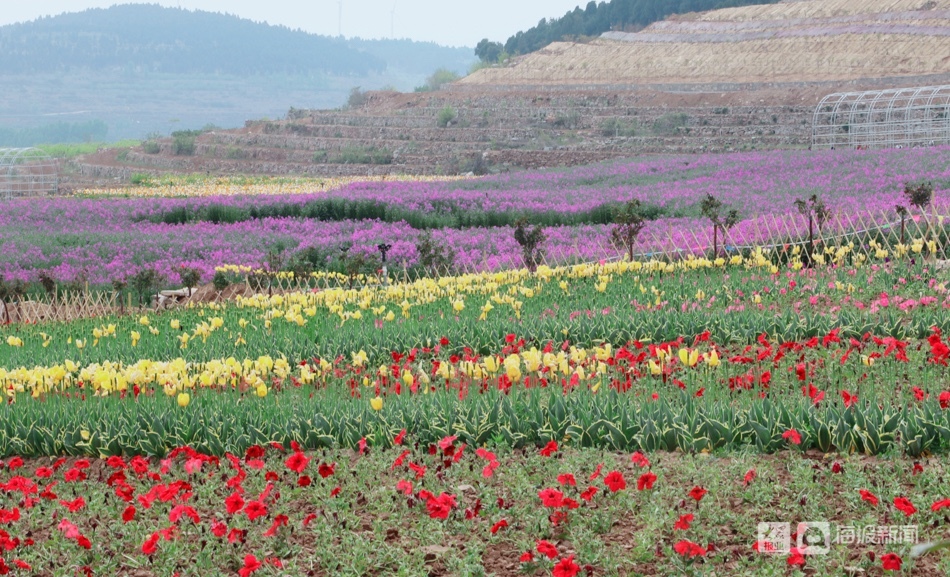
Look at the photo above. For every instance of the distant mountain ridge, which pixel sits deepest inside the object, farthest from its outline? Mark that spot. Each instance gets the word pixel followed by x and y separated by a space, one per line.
pixel 151 38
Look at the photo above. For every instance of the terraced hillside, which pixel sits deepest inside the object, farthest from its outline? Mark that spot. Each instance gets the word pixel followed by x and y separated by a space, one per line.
pixel 736 79
pixel 793 41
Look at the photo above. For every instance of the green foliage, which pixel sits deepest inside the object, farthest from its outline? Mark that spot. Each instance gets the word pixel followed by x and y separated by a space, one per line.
pixel 670 123
pixel 595 19
pixel 488 51
pixel 446 116
pixel 220 281
pixel 145 282
pixel 614 127
pixel 362 155
pixel 190 277
pixel 439 78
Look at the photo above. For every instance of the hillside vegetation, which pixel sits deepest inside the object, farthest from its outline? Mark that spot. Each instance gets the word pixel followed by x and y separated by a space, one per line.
pixel 596 19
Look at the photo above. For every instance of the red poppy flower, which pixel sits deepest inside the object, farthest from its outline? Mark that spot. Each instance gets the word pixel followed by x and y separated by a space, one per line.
pixel 74 505
pixel 297 462
pixel 792 436
pixel 499 525
pixel 254 452
pixel 689 549
pixel 234 503
pixel 905 506
pixel 129 514
pixel 551 497
pixel 236 535
pixel 697 493
pixel 640 460
pixel 837 469
pixel 251 564
pixel 419 470
pixel 549 449
pixel 683 523
pixel 566 568
pixel 646 481
pixel 589 493
pixel 869 497
pixel 615 481
pixel 43 472
pixel 150 546
pixel 891 562
pixel 179 511
pixel 325 470
pixel 567 479
pixel 255 509
pixel 547 549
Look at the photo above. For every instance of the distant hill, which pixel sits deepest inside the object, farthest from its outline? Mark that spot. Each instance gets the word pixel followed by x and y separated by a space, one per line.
pixel 151 38
pixel 143 68
pixel 596 19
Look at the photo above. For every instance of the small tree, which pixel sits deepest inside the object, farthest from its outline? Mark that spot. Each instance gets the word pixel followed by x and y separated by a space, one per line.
pixel 488 51
pixel 190 277
pixel 628 222
pixel 118 285
pixel 902 212
pixel 920 195
pixel 817 212
pixel 10 292
pixel 145 282
pixel 446 116
pixel 530 241
pixel 711 208
pixel 220 281
pixel 434 257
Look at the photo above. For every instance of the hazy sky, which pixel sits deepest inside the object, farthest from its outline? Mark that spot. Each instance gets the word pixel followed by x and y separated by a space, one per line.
pixel 448 22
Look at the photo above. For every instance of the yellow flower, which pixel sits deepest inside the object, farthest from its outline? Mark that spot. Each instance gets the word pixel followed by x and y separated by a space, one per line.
pixel 14 341
pixel 407 378
pixel 143 320
pixel 261 390
pixel 868 361
pixel 376 403
pixel 80 344
pixel 175 324
pixel 458 306
pixel 135 338
pixel 183 399
pixel 712 359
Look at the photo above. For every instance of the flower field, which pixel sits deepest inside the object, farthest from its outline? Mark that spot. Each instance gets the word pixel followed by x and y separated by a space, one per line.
pixel 101 239
pixel 645 416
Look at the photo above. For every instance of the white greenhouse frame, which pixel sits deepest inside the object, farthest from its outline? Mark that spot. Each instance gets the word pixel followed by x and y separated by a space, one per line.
pixel 900 117
pixel 27 172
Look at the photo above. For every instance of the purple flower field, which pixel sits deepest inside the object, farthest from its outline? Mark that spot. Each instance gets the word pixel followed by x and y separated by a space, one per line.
pixel 109 238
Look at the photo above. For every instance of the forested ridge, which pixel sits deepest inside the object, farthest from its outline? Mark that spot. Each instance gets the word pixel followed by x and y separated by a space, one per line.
pixel 151 38
pixel 596 19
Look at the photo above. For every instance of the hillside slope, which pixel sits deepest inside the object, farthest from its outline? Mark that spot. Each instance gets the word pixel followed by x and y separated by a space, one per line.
pixel 792 41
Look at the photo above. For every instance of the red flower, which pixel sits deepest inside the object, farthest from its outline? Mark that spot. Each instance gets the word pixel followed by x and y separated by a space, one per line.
pixel 549 449
pixel 74 505
pixel 251 564
pixel 254 452
pixel 792 436
pixel 151 544
pixel 419 470
pixel 362 445
pixel 697 493
pixel 640 460
pixel 499 525
pixel 596 472
pixel 526 557
pixel 945 400
pixel 689 549
pixel 551 497
pixel 255 509
pixel 335 491
pixel 236 535
pixel 400 437
pixel 646 481
pixel 43 472
pixel 795 558
pixel 905 506
pixel 566 568
pixel 304 481
pixel 404 487
pixel 326 470
pixel 547 549
pixel 589 493
pixel 234 503
pixel 749 476
pixel 891 562
pixel 179 511
pixel 279 520
pixel 837 469
pixel 128 514
pixel 440 507
pixel 683 523
pixel 399 460
pixel 940 505
pixel 615 481
pixel 869 497
pixel 297 462
pixel 567 479
pixel 219 529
